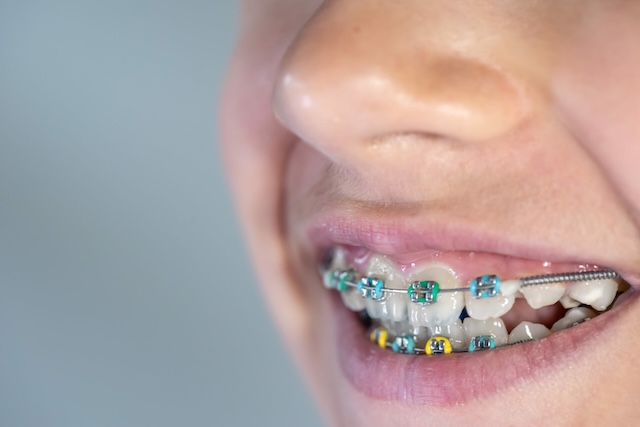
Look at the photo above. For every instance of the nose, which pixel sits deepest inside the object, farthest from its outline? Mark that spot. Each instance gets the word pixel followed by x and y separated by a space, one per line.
pixel 361 71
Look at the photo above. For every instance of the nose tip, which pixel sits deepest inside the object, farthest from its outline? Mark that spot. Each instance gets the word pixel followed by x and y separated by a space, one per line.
pixel 336 89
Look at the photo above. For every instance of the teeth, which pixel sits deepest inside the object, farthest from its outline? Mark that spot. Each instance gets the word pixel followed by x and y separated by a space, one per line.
pixel 449 305
pixel 354 301
pixel 599 294
pixel 509 287
pixel 527 331
pixel 394 306
pixel 492 327
pixel 543 295
pixel 568 302
pixel 486 308
pixel 573 316
pixel 453 331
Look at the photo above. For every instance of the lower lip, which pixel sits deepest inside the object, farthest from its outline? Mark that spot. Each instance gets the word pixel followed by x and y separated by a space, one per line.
pixel 457 378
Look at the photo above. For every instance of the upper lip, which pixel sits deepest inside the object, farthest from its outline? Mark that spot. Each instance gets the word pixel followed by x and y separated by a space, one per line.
pixel 394 235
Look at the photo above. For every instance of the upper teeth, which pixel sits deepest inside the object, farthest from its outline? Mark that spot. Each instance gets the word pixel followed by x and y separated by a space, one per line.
pixel 449 305
pixel 598 293
pixel 393 306
pixel 543 295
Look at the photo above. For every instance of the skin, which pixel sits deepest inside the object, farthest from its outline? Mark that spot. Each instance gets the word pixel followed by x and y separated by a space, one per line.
pixel 515 118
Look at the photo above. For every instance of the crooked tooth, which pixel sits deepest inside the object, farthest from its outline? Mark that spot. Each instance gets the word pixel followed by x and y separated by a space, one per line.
pixel 448 307
pixel 539 296
pixel 490 307
pixel 453 331
pixel 527 331
pixel 492 327
pixel 568 302
pixel 573 317
pixel 394 306
pixel 599 294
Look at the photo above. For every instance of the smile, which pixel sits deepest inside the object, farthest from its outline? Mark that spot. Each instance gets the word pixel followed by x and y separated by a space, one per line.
pixel 431 314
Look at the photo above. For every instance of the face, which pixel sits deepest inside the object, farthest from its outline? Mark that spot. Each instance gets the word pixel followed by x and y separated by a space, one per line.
pixel 403 144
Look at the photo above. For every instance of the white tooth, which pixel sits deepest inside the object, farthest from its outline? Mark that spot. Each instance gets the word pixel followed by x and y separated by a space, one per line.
pixel 568 302
pixel 490 307
pixel 394 306
pixel 403 328
pixel 527 331
pixel 453 331
pixel 486 308
pixel 539 296
pixel 492 327
pixel 573 316
pixel 353 300
pixel 446 310
pixel 599 294
pixel 509 287
pixel 338 262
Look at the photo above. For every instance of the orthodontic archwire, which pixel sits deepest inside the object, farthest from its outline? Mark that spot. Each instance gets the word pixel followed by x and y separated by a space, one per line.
pixel 427 291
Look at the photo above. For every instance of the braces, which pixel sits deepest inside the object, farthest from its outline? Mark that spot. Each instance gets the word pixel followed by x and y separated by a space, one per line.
pixel 426 292
pixel 406 344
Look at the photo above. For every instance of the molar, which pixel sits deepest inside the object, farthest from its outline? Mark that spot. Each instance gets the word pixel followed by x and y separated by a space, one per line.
pixel 394 306
pixel 599 294
pixel 449 305
pixel 493 327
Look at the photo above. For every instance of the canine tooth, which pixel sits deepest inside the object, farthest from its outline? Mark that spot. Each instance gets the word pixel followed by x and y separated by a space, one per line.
pixel 539 296
pixel 453 331
pixel 493 327
pixel 527 331
pixel 353 300
pixel 568 302
pixel 486 308
pixel 599 294
pixel 573 317
pixel 449 304
pixel 394 306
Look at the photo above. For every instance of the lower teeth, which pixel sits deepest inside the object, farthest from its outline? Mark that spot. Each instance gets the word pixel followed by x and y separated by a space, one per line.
pixel 401 337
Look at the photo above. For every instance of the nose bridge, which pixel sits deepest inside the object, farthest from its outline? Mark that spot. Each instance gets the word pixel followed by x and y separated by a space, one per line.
pixel 363 70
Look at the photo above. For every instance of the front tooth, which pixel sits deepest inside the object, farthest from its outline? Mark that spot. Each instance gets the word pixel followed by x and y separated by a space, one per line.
pixel 453 331
pixel 599 294
pixel 493 327
pixel 573 317
pixel 448 307
pixel 394 305
pixel 527 331
pixel 539 296
pixel 491 306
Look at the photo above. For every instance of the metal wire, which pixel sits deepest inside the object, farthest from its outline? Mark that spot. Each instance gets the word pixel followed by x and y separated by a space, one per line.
pixel 544 279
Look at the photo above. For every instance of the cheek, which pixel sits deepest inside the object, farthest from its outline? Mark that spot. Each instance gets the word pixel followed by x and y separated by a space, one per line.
pixel 598 91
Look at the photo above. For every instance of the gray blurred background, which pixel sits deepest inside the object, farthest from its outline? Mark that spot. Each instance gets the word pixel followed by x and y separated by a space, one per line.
pixel 125 295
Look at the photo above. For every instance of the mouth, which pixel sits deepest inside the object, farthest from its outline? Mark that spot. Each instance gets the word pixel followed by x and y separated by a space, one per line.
pixel 446 327
pixel 424 307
